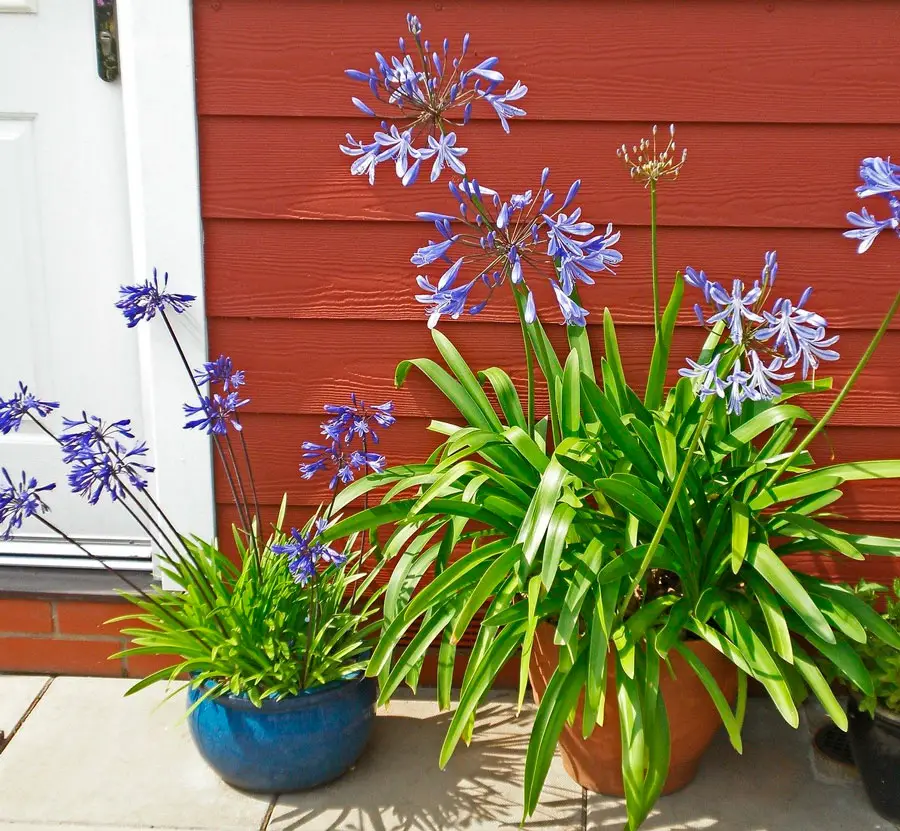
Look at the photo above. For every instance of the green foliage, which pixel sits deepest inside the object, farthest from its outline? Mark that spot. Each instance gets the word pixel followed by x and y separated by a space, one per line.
pixel 249 629
pixel 640 525
pixel 880 653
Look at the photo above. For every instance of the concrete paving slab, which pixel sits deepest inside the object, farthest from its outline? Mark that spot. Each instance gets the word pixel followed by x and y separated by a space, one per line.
pixel 87 756
pixel 771 787
pixel 17 693
pixel 397 785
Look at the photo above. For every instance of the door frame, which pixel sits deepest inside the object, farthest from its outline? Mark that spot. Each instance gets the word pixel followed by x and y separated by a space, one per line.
pixel 156 52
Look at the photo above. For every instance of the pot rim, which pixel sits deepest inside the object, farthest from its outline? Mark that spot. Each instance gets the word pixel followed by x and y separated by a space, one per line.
pixel 308 698
pixel 881 712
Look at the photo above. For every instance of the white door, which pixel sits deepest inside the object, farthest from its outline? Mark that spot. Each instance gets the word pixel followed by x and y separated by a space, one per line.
pixel 65 248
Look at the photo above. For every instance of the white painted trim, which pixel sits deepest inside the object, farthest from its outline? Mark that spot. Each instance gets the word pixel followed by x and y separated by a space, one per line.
pixel 157 70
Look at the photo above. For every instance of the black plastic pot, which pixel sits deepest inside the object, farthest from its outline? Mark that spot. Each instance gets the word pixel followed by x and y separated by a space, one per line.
pixel 876 751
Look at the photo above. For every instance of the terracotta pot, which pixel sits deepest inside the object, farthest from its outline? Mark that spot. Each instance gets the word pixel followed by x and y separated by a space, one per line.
pixel 595 763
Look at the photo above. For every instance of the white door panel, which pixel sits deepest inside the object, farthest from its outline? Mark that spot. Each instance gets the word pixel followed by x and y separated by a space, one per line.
pixel 65 247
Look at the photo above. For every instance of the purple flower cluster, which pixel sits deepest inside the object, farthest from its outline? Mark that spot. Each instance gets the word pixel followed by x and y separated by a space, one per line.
pixel 880 178
pixel 22 404
pixel 504 238
pixel 305 551
pixel 348 423
pixel 19 501
pixel 144 301
pixel 425 87
pixel 215 410
pixel 770 341
pixel 101 461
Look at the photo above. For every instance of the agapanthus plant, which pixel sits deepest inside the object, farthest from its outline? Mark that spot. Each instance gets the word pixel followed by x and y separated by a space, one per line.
pixel 620 533
pixel 295 613
pixel 423 96
pixel 881 177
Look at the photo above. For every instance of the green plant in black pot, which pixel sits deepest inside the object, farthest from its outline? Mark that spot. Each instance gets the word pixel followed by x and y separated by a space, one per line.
pixel 875 715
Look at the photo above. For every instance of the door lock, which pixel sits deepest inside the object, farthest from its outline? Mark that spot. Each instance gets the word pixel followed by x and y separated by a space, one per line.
pixel 106 34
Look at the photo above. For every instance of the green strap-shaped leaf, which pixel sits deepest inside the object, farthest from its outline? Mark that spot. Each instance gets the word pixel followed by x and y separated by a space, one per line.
pixel 447 384
pixel 537 518
pixel 467 378
pixel 555 541
pixel 820 687
pixel 659 362
pixel 764 667
pixel 732 725
pixel 857 607
pixel 766 420
pixel 619 435
pixel 779 632
pixel 415 651
pixel 617 372
pixel 740 531
pixel 558 701
pixel 770 567
pixel 794 524
pixel 496 654
pixel 507 396
pixel 585 570
pixel 632 499
pixel 487 586
pixel 570 399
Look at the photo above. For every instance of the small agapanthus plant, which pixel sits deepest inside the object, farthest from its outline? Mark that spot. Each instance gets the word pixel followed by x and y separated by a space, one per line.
pixel 294 612
pixel 422 97
pixel 880 177
pixel 627 534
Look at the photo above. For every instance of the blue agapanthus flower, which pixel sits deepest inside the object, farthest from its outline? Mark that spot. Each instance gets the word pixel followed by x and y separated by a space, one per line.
pixel 773 341
pixel 304 551
pixel 338 458
pixel 91 434
pixel 144 301
pixel 20 500
pixel 215 413
pixel 109 470
pixel 880 178
pixel 518 240
pixel 20 405
pixel 430 93
pixel 220 371
pixel 707 377
pixel 357 420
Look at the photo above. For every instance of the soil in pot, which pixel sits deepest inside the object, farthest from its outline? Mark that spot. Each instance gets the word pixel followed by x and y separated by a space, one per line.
pixel 293 744
pixel 595 763
pixel 876 751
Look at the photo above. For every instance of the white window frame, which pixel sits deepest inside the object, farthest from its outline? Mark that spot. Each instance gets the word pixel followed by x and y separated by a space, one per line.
pixel 157 70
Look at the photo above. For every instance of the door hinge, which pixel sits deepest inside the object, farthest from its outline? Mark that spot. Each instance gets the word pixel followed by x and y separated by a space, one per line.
pixel 107 37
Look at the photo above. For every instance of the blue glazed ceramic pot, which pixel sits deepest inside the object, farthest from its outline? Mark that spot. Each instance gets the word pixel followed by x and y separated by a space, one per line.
pixel 289 745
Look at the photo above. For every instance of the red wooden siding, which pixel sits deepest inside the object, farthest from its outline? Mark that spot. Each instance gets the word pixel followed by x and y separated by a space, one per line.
pixel 309 284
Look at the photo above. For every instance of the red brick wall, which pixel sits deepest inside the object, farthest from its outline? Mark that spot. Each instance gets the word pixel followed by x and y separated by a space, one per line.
pixel 308 279
pixel 66 637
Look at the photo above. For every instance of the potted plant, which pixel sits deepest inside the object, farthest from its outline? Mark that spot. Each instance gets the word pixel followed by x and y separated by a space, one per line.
pixel 272 646
pixel 628 547
pixel 875 717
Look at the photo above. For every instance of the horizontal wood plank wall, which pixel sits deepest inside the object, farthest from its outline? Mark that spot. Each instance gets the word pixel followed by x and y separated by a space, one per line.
pixel 308 280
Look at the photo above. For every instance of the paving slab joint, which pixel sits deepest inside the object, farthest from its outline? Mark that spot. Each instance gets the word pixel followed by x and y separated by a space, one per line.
pixel 263 826
pixel 4 739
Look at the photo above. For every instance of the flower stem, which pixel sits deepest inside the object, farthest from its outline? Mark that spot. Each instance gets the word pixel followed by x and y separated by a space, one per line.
pixel 848 385
pixel 238 504
pixel 654 265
